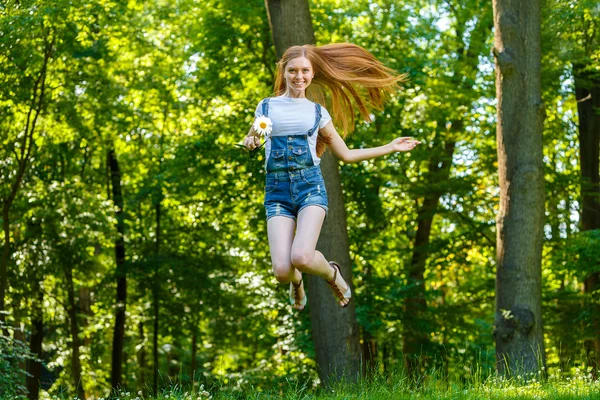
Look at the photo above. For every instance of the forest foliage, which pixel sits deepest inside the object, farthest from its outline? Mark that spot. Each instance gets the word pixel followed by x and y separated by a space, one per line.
pixel 171 88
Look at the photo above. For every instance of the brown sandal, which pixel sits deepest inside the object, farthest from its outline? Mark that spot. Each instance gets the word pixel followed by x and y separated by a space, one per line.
pixel 295 301
pixel 337 291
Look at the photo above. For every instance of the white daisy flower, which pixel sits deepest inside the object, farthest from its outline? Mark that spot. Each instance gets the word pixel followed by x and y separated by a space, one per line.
pixel 263 125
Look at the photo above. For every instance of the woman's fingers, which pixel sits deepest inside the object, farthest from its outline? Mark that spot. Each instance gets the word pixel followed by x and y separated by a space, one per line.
pixel 406 143
pixel 251 142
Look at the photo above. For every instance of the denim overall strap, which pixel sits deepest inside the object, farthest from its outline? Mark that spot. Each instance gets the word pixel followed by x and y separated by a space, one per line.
pixel 265 107
pixel 292 152
pixel 317 119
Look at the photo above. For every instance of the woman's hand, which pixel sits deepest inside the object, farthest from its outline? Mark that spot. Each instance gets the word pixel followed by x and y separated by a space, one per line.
pixel 251 142
pixel 403 144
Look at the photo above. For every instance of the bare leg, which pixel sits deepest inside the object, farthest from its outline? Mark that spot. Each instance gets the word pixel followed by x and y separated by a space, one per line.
pixel 280 231
pixel 304 255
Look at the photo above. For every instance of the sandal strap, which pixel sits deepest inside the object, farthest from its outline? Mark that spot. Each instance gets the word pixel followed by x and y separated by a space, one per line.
pixel 297 299
pixel 332 283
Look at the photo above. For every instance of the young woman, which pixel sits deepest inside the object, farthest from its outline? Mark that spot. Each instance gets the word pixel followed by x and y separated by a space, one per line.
pixel 296 132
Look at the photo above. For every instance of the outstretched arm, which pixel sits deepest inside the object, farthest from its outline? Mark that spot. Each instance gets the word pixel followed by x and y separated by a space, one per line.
pixel 339 148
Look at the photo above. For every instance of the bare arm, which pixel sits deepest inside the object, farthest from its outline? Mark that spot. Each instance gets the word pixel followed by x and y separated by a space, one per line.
pixel 341 150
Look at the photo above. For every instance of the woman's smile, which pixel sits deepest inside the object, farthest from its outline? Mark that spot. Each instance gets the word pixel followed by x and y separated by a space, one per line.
pixel 298 76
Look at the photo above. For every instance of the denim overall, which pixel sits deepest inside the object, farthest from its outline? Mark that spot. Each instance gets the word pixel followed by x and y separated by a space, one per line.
pixel 293 180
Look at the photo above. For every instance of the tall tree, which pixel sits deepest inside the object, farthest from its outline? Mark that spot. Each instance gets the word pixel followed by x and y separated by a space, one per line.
pixel 120 273
pixel 34 367
pixel 31 91
pixel 335 331
pixel 520 220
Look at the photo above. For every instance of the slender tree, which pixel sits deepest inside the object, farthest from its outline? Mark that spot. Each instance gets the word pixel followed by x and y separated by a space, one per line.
pixel 520 220
pixel 121 277
pixel 335 330
pixel 23 151
pixel 34 367
pixel 72 309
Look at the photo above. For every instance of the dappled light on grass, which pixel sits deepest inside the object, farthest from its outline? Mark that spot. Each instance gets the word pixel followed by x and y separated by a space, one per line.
pixel 431 385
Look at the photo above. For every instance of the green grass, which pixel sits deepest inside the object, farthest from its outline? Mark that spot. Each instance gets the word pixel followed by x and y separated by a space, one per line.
pixel 397 386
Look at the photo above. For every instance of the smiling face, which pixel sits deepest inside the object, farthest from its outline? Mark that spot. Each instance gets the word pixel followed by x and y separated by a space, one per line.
pixel 298 75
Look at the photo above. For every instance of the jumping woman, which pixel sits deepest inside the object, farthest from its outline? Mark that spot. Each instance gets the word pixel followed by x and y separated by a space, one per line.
pixel 297 131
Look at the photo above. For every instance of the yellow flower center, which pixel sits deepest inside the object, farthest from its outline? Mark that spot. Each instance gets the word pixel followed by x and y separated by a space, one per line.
pixel 263 125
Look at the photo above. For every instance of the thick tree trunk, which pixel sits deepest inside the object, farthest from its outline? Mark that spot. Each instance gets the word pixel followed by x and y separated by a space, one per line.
pixel 120 274
pixel 291 24
pixel 75 358
pixel 520 220
pixel 34 368
pixel 335 331
pixel 587 93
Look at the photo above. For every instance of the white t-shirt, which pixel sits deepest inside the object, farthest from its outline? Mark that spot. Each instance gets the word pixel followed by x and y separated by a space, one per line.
pixel 293 116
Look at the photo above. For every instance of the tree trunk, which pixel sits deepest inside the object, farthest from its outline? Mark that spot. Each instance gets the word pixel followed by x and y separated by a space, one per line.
pixel 335 331
pixel 20 335
pixel 120 274
pixel 142 356
pixel 75 358
pixel 369 354
pixel 34 367
pixel 520 220
pixel 156 284
pixel 155 308
pixel 23 155
pixel 416 336
pixel 85 309
pixel 291 24
pixel 194 349
pixel 587 93
pixel 4 262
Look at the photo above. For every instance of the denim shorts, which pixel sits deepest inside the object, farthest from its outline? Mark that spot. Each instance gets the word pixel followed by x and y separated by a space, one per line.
pixel 288 192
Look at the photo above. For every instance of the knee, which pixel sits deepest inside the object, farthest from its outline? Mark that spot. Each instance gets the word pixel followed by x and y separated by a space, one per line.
pixel 302 259
pixel 283 272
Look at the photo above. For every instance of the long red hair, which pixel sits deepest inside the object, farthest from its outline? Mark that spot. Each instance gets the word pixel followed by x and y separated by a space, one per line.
pixel 345 74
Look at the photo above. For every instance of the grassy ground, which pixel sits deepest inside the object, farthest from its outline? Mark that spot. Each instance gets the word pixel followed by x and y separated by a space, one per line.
pixel 579 387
